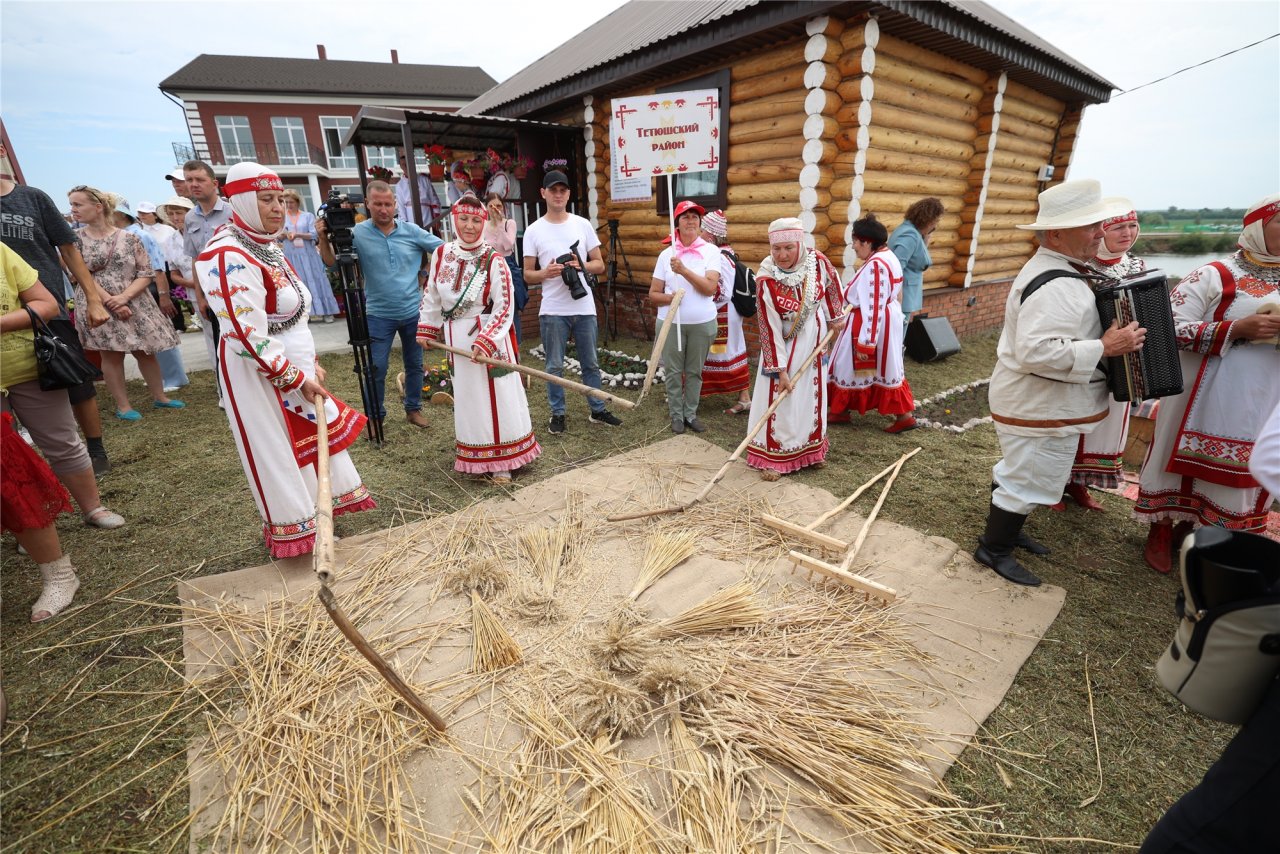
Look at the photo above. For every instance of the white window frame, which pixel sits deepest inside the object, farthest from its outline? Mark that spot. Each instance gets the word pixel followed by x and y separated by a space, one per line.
pixel 292 151
pixel 346 157
pixel 382 155
pixel 234 148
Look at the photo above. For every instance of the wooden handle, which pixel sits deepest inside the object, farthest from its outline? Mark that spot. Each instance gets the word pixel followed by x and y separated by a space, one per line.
pixel 351 633
pixel 656 355
pixel 875 511
pixel 534 372
pixel 325 560
pixel 768 413
pixel 861 489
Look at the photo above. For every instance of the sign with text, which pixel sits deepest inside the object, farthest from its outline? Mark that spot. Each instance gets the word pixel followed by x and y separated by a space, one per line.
pixel 669 134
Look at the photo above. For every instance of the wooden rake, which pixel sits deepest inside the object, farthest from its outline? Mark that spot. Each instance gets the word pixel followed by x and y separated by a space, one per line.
pixel 656 355
pixel 751 434
pixel 621 402
pixel 809 532
pixel 842 572
pixel 325 563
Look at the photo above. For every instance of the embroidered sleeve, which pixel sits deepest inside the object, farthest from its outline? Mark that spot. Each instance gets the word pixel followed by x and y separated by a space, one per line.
pixel 237 292
pixel 832 296
pixel 501 295
pixel 1195 302
pixel 431 311
pixel 770 326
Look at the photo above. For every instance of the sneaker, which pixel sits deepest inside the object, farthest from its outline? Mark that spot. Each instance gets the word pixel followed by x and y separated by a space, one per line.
pixel 557 424
pixel 695 425
pixel 101 465
pixel 604 416
pixel 170 388
pixel 677 425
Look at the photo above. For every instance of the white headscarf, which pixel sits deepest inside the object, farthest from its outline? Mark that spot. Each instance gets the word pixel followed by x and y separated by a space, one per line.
pixel 244 180
pixel 1105 255
pixel 468 203
pixel 1255 218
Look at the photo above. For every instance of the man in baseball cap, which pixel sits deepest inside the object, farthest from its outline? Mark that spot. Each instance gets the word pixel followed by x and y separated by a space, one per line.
pixel 179 182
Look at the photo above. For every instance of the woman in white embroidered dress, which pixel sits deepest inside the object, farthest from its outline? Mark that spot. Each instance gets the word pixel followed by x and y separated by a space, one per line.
pixel 470 303
pixel 797 297
pixel 1197 468
pixel 866 362
pixel 1098 459
pixel 267 364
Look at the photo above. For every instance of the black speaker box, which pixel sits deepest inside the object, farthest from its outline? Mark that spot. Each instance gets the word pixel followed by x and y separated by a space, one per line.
pixel 931 338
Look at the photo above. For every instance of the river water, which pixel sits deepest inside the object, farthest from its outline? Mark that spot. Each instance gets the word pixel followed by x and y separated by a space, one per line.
pixel 1180 265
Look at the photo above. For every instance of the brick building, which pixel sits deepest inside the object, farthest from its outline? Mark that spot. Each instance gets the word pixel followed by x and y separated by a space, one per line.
pixel 291 114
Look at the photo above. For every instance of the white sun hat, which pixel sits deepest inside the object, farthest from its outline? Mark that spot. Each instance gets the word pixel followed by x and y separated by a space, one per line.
pixel 1072 204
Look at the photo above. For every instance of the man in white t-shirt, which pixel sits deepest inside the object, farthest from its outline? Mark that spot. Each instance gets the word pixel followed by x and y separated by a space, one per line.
pixel 552 237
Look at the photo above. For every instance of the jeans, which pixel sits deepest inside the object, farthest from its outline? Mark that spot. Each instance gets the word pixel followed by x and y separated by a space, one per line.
pixel 682 368
pixel 555 331
pixel 521 291
pixel 382 332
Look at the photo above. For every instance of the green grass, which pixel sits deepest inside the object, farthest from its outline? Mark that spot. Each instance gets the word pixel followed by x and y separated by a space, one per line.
pixel 179 483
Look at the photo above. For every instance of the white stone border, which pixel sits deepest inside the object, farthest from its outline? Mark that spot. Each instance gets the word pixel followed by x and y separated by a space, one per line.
pixel 630 380
pixel 953 428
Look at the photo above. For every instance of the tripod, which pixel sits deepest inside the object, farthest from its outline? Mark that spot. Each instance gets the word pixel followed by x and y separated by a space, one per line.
pixel 358 332
pixel 616 249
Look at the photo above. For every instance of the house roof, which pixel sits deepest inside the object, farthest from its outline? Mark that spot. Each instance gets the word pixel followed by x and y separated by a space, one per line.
pixel 218 73
pixel 644 38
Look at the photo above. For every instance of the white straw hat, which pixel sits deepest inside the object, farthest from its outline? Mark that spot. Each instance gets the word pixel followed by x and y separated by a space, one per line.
pixel 1072 204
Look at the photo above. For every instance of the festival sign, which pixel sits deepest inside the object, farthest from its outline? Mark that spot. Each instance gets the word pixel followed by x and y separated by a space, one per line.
pixel 668 134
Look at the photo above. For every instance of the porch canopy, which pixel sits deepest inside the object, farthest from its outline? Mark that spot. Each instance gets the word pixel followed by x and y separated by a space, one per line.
pixel 411 129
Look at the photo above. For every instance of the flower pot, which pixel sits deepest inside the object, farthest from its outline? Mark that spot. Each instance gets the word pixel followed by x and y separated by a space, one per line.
pixel 436 171
pixel 478 174
pixel 520 172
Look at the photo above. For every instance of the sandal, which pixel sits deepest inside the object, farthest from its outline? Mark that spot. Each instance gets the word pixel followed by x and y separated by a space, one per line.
pixel 101 517
pixel 60 586
pixel 739 408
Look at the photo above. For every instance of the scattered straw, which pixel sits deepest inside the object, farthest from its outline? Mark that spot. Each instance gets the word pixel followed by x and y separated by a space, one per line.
pixel 486 576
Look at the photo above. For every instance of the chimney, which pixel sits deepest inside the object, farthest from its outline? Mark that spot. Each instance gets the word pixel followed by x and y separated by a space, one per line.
pixel 320 51
pixel 395 57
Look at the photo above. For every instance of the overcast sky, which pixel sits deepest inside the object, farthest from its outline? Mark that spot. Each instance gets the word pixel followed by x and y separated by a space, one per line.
pixel 79 99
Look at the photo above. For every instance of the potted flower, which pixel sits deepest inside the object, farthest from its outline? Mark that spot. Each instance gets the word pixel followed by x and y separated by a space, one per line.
pixel 437 157
pixel 555 164
pixel 478 169
pixel 521 165
pixel 381 173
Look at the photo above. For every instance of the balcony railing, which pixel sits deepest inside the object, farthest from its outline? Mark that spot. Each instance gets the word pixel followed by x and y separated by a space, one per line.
pixel 217 154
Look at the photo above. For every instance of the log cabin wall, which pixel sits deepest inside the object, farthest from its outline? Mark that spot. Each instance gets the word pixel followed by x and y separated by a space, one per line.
pixel 847 120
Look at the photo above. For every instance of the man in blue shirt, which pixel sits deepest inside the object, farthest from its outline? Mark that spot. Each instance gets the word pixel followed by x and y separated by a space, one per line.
pixel 391 253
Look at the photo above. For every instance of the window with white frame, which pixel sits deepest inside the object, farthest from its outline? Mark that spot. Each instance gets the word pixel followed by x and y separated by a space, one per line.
pixel 233 134
pixel 383 155
pixel 333 128
pixel 291 140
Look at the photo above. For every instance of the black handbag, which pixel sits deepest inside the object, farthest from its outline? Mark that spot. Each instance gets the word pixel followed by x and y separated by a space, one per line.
pixel 58 364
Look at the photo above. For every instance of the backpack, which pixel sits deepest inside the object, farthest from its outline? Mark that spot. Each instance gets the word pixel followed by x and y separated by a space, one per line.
pixel 1226 651
pixel 744 286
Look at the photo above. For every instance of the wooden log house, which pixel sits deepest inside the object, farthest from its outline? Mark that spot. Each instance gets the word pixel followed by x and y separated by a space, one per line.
pixel 835 109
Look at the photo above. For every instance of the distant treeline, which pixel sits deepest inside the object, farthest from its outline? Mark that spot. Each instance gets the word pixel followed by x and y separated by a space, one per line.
pixel 1200 216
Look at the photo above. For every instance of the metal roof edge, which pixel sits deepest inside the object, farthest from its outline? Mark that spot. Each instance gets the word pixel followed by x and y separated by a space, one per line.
pixel 748 21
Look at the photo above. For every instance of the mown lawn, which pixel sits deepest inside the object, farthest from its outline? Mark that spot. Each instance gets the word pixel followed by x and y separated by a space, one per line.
pixel 86 768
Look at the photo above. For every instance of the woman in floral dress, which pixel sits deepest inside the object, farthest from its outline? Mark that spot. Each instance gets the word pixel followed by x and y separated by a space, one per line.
pixel 122 270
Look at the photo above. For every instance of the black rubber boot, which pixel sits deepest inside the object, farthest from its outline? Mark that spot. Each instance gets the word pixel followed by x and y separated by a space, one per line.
pixel 995 547
pixel 1025 540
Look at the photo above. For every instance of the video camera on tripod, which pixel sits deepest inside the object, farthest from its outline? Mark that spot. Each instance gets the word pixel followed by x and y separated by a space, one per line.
pixel 576 279
pixel 339 220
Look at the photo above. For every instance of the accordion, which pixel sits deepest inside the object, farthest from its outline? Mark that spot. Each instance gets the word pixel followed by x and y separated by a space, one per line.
pixel 1154 371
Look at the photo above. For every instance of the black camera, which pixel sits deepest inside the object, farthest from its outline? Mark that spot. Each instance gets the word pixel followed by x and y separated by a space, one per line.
pixel 577 280
pixel 338 220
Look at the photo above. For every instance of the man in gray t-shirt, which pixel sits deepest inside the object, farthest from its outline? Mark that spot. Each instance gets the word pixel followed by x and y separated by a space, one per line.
pixel 32 226
pixel 210 212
